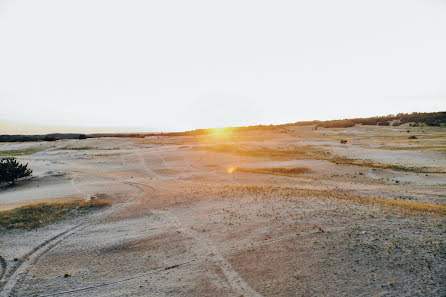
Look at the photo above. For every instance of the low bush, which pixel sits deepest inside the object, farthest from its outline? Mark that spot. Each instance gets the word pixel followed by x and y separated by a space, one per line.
pixel 11 170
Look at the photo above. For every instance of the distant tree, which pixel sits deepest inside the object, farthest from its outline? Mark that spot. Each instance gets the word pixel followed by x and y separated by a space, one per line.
pixel 49 138
pixel 337 124
pixel 11 170
pixel 82 136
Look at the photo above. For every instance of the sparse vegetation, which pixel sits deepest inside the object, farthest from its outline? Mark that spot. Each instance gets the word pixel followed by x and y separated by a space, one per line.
pixel 379 165
pixel 37 215
pixel 436 148
pixel 22 152
pixel 292 194
pixel 285 171
pixel 295 152
pixel 107 155
pixel 310 152
pixel 85 148
pixel 82 148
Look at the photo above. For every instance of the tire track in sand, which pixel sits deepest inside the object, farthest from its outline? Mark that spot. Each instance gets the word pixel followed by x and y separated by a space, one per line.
pixel 3 267
pixel 205 246
pixel 16 277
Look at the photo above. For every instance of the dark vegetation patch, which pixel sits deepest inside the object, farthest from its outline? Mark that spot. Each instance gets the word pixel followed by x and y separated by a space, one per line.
pixel 337 124
pixel 28 151
pixel 43 137
pixel 50 138
pixel 86 148
pixel 438 148
pixel 427 118
pixel 83 148
pixel 285 171
pixel 379 165
pixel 37 215
pixel 11 170
pixel 107 155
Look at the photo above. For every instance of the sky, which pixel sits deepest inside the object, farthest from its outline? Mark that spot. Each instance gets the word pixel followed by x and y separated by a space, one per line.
pixel 181 65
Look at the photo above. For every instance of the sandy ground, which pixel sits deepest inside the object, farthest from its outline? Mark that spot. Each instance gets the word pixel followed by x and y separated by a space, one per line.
pixel 181 225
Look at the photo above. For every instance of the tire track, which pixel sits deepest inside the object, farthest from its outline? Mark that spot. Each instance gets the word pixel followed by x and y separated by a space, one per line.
pixel 73 184
pixel 11 281
pixel 234 279
pixel 186 264
pixel 10 276
pixel 17 275
pixel 15 278
pixel 83 289
pixel 3 266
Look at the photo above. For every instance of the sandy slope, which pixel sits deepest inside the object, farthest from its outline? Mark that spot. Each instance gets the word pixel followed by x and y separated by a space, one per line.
pixel 180 225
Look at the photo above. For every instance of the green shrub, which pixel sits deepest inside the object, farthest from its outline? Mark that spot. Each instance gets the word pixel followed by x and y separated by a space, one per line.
pixel 11 170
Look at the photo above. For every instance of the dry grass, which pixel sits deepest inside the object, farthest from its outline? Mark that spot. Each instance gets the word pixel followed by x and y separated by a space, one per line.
pixel 295 152
pixel 379 165
pixel 309 152
pixel 415 206
pixel 28 151
pixel 87 148
pixel 283 171
pixel 292 194
pixel 437 148
pixel 107 155
pixel 167 141
pixel 83 148
pixel 37 215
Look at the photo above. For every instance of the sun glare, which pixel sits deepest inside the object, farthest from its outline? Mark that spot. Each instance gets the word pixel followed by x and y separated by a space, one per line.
pixel 231 169
pixel 221 131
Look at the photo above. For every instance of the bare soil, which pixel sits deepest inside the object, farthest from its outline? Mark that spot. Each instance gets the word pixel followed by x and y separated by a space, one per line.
pixel 185 222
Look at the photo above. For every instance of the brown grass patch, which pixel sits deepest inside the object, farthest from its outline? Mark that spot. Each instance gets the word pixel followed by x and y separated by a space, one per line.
pixel 22 152
pixel 309 152
pixel 107 155
pixel 378 165
pixel 265 192
pixel 415 206
pixel 413 148
pixel 37 215
pixel 295 152
pixel 284 171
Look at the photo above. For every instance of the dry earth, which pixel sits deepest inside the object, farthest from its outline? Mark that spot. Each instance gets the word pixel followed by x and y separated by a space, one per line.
pixel 186 220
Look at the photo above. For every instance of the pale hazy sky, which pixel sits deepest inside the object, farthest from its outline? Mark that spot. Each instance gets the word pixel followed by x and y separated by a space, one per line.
pixel 179 65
